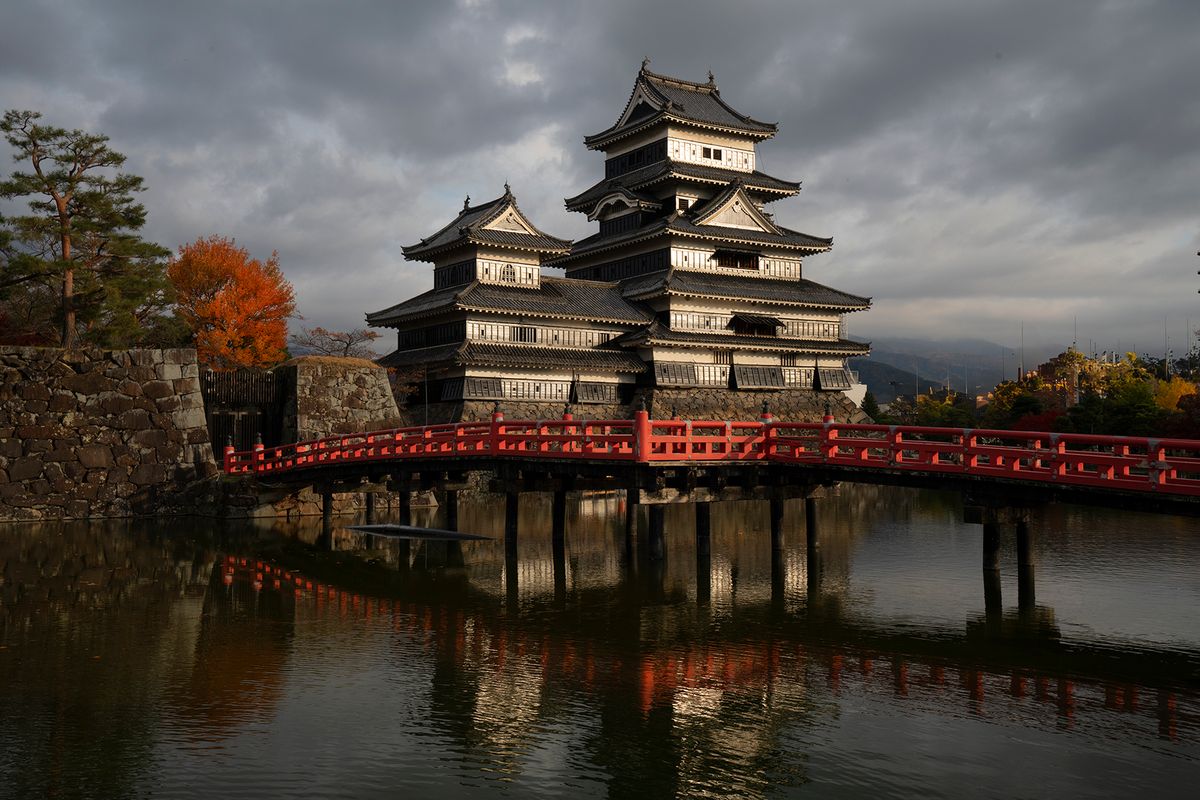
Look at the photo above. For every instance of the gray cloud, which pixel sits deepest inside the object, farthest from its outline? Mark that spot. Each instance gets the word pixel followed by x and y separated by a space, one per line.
pixel 978 164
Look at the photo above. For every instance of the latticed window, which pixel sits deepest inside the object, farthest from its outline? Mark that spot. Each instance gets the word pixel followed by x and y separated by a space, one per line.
pixel 524 333
pixel 508 273
pixel 667 373
pixel 758 377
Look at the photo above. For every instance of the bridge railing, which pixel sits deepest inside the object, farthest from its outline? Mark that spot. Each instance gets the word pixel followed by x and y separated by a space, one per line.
pixel 704 440
pixel 1118 462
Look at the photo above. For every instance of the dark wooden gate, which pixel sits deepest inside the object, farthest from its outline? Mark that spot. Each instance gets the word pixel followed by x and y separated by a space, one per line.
pixel 243 404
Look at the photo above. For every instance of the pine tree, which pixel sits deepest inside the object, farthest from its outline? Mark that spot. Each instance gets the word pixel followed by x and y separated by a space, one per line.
pixel 77 253
pixel 870 405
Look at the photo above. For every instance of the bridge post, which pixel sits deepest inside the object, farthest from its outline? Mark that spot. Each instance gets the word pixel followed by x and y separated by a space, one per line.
pixel 993 600
pixel 703 552
pixel 703 529
pixel 369 500
pixel 452 509
pixel 558 547
pixel 812 537
pixel 657 547
pixel 641 434
pixel 512 587
pixel 778 580
pixel 1026 567
pixel 631 520
pixel 512 504
pixel 991 546
pixel 404 501
pixel 326 514
pixel 776 524
pixel 558 516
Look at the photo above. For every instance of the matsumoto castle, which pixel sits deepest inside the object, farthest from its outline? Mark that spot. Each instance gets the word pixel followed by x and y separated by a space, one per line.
pixel 690 297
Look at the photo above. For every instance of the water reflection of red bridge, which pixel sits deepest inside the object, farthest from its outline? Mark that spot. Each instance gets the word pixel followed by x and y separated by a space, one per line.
pixel 662 676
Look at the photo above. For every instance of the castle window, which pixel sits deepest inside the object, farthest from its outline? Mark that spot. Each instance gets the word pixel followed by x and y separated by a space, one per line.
pixel 524 333
pixel 684 203
pixel 736 259
pixel 508 274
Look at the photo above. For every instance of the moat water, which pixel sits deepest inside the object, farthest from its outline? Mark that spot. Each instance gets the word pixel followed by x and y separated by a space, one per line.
pixel 187 658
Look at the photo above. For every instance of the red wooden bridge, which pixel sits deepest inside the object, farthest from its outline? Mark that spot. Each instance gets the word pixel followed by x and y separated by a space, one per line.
pixel 1127 466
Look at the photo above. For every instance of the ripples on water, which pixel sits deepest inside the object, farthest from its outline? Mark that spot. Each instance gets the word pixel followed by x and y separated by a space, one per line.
pixel 172 660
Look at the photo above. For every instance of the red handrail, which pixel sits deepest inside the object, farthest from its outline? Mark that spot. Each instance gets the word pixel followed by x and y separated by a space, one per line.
pixel 1167 466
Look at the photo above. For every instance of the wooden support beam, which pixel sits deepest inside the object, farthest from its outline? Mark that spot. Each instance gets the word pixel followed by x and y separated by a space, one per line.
pixel 405 507
pixel 558 516
pixel 776 524
pixel 703 552
pixel 512 505
pixel 991 546
pixel 655 541
pixel 993 606
pixel 452 509
pixel 632 513
pixel 703 529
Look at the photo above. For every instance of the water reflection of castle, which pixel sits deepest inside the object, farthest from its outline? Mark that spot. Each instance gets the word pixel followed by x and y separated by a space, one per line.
pixel 661 652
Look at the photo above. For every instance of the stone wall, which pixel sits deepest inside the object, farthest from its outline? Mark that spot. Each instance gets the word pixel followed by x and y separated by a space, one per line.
pixel 706 403
pixel 328 395
pixel 785 405
pixel 91 433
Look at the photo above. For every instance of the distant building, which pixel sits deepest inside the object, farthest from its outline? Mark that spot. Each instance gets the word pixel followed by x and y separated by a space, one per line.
pixel 690 294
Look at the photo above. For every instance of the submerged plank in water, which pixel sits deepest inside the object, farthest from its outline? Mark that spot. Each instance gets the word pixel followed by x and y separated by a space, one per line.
pixel 414 532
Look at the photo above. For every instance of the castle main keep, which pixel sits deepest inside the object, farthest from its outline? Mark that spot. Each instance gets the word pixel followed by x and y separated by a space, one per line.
pixel 690 296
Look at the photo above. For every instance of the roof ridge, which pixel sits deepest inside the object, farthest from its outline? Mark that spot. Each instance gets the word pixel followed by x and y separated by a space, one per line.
pixel 681 83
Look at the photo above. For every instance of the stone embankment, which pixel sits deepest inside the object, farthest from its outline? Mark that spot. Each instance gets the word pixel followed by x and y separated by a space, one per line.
pixel 706 403
pixel 326 396
pixel 91 433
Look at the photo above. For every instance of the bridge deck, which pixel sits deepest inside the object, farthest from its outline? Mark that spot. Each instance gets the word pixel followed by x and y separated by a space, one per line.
pixel 1074 465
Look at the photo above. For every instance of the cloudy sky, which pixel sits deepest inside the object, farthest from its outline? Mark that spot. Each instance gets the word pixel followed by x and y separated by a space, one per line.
pixel 978 164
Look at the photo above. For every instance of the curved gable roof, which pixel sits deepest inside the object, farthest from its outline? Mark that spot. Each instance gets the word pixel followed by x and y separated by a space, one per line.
pixel 479 225
pixel 657 97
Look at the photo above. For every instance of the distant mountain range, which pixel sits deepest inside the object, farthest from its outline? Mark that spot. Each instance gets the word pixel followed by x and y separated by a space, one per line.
pixel 973 366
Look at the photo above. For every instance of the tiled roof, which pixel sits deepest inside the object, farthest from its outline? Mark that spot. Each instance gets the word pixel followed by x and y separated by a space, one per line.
pixel 737 287
pixel 533 356
pixel 401 359
pixel 556 297
pixel 657 333
pixel 492 354
pixel 468 227
pixel 686 101
pixel 679 223
pixel 425 303
pixel 787 237
pixel 662 170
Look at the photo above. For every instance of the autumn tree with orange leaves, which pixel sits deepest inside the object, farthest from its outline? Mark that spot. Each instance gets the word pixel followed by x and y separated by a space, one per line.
pixel 236 306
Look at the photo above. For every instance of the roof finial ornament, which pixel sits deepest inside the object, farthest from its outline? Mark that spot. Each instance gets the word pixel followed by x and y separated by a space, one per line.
pixel 712 81
pixel 645 63
pixel 467 203
pixel 507 190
